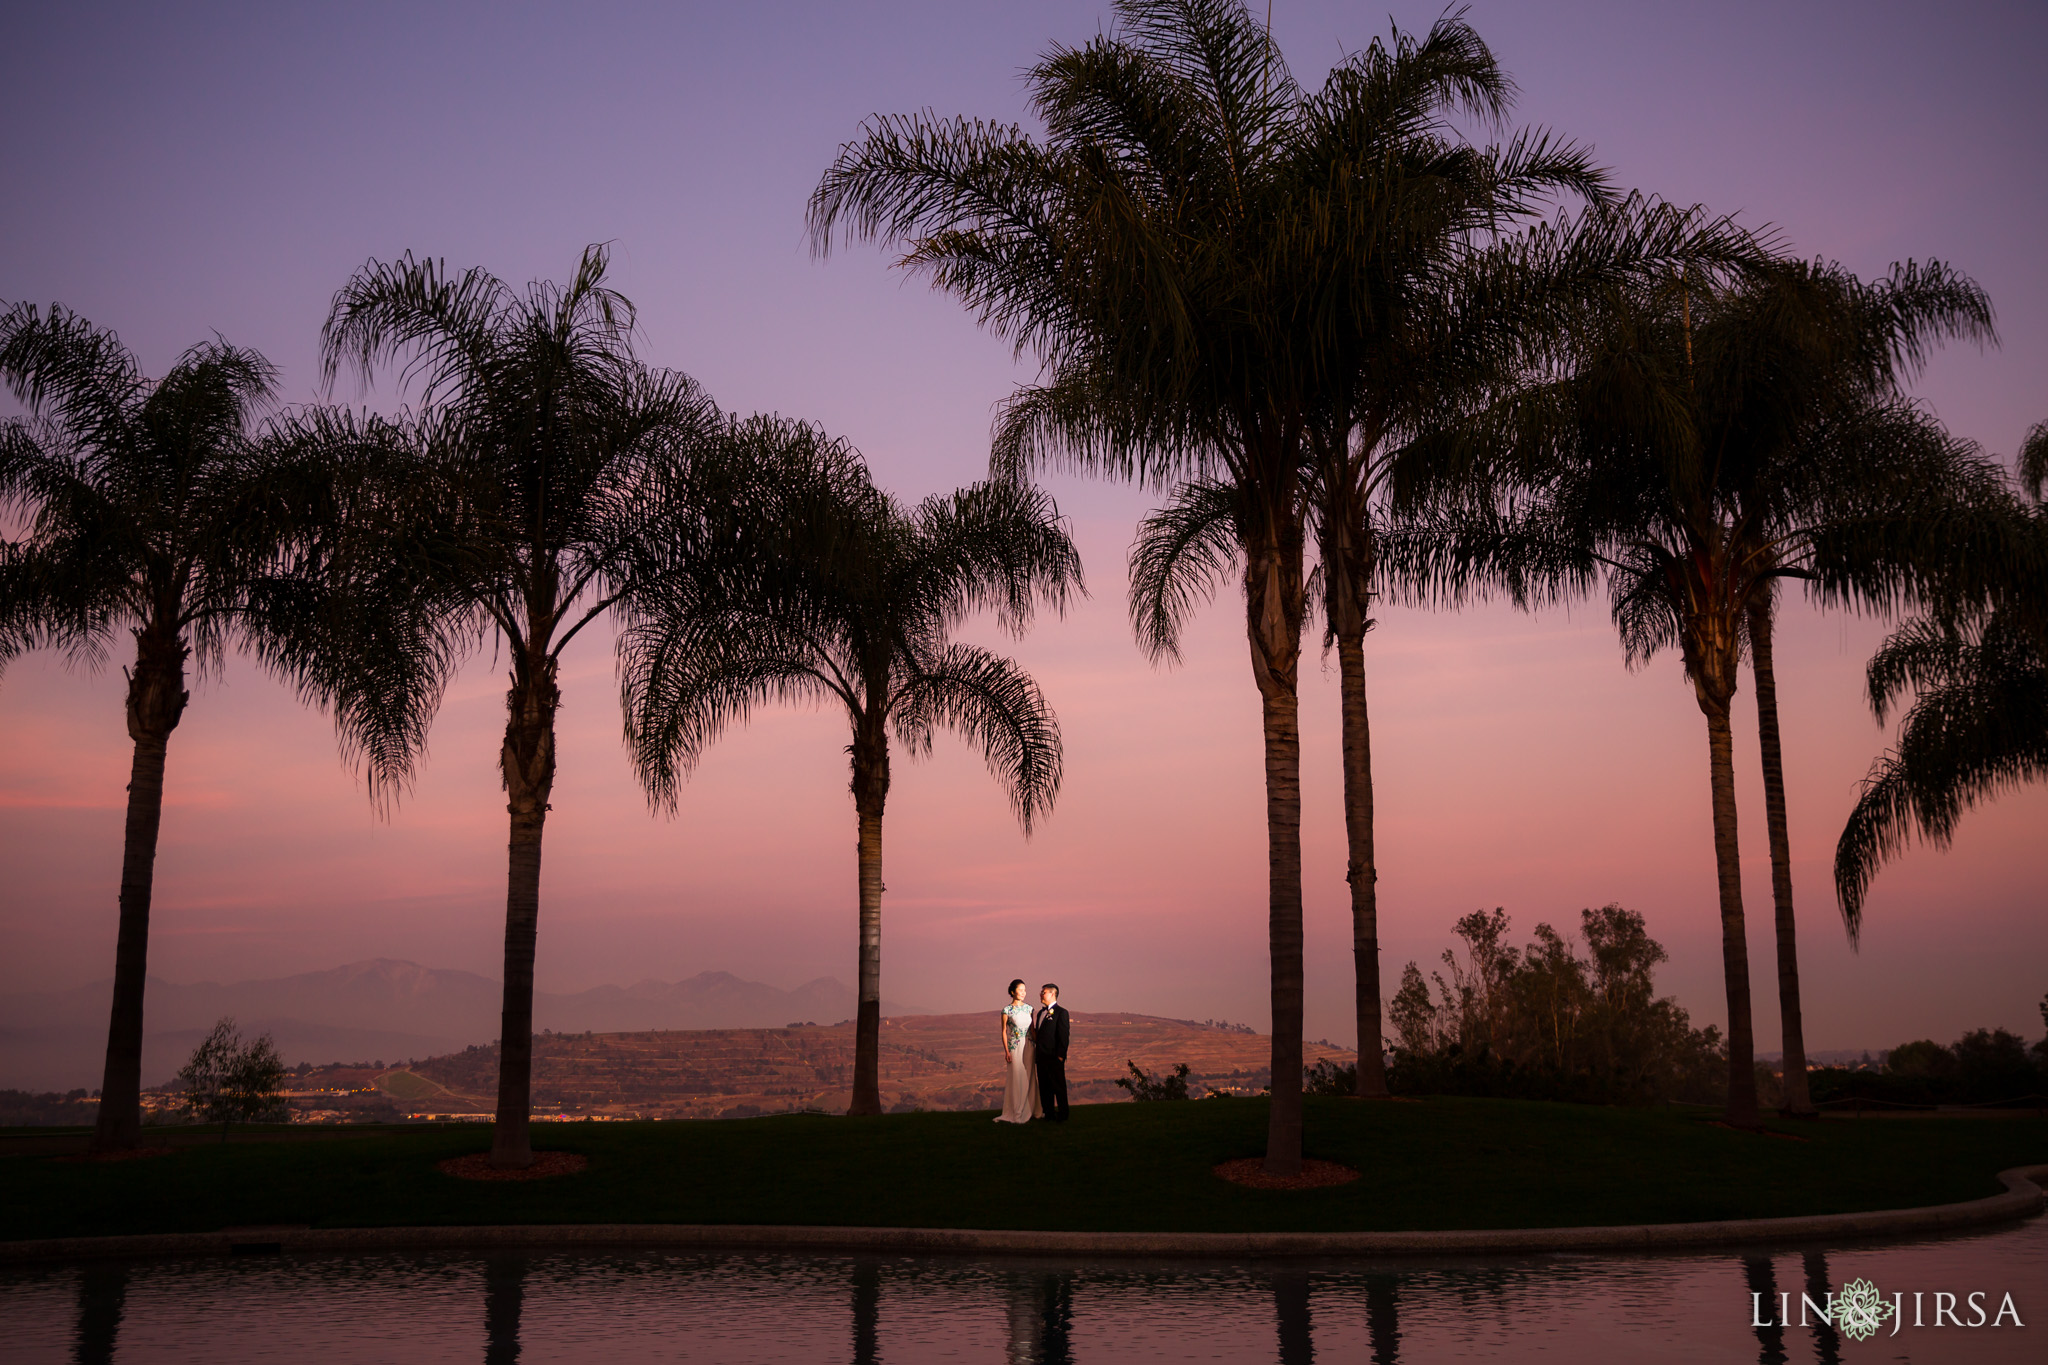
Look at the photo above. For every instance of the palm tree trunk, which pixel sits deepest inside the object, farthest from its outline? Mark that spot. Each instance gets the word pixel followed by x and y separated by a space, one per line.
pixel 870 795
pixel 1361 873
pixel 1283 925
pixel 1742 1110
pixel 1797 1101
pixel 156 700
pixel 528 761
pixel 1274 608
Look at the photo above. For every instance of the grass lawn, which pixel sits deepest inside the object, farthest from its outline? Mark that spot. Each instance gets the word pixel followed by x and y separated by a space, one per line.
pixel 1441 1163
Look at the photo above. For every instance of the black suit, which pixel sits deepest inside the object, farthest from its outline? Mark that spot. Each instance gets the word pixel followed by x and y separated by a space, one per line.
pixel 1050 1041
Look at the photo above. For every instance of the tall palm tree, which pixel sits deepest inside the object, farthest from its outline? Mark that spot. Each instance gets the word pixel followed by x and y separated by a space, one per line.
pixel 1829 460
pixel 547 470
pixel 1156 250
pixel 1423 304
pixel 153 507
pixel 1701 456
pixel 843 596
pixel 1396 212
pixel 1978 724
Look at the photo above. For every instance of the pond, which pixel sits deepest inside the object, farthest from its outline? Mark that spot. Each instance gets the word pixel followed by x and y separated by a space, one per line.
pixel 620 1307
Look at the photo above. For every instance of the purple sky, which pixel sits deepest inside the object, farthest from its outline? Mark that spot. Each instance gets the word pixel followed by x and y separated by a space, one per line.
pixel 172 174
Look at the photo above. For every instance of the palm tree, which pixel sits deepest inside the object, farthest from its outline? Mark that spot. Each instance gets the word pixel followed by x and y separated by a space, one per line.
pixel 846 597
pixel 548 469
pixel 1830 461
pixel 1978 724
pixel 1158 252
pixel 1424 305
pixel 1397 211
pixel 153 507
pixel 1701 453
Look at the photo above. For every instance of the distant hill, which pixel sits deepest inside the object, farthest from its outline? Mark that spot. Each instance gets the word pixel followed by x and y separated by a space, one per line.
pixel 942 1061
pixel 379 1010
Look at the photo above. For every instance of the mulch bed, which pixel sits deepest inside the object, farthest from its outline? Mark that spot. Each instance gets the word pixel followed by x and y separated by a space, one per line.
pixel 95 1158
pixel 477 1166
pixel 1315 1175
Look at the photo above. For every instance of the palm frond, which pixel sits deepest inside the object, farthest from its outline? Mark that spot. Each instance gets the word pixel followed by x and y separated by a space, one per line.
pixel 1181 556
pixel 998 709
pixel 809 582
pixel 1978 727
pixel 687 676
pixel 1000 545
pixel 78 376
pixel 2033 460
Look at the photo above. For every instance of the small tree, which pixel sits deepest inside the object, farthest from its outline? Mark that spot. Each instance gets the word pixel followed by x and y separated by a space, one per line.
pixel 227 1079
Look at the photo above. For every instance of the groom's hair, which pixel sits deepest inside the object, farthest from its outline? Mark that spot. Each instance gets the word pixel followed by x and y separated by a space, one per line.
pixel 1048 986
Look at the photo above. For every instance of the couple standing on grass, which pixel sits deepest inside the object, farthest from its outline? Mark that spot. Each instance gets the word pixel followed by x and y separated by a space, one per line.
pixel 1035 1055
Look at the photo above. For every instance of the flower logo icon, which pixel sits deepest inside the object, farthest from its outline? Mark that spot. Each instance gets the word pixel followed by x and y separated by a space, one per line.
pixel 1860 1311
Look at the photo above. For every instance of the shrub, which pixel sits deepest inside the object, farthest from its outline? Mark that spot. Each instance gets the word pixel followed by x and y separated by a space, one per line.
pixel 1160 1087
pixel 1925 1059
pixel 1984 1066
pixel 1327 1078
pixel 1546 1021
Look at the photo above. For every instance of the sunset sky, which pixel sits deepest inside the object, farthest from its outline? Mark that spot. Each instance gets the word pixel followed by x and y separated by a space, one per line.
pixel 174 176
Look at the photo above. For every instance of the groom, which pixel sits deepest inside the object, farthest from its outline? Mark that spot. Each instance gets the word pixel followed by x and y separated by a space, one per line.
pixel 1049 1032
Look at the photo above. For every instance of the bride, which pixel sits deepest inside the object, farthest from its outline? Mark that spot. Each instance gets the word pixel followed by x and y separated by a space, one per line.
pixel 1020 1087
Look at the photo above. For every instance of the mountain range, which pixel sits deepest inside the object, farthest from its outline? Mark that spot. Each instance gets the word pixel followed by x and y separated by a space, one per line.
pixel 382 1009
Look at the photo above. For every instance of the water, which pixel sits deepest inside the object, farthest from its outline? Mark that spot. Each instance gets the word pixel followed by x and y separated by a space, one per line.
pixel 627 1306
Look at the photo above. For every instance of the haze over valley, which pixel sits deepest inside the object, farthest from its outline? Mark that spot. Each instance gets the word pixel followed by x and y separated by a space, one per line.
pixel 376 1011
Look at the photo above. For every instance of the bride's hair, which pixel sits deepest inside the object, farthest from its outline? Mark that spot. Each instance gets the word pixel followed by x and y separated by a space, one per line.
pixel 1014 985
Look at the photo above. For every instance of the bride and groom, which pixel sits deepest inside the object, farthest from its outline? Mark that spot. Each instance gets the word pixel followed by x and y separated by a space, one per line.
pixel 1035 1055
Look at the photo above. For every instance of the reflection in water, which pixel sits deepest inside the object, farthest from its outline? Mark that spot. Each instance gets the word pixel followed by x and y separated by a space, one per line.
pixel 756 1308
pixel 867 1307
pixel 102 1296
pixel 1770 1340
pixel 1290 1305
pixel 1041 1319
pixel 1059 1319
pixel 1382 1319
pixel 504 1296
pixel 1827 1343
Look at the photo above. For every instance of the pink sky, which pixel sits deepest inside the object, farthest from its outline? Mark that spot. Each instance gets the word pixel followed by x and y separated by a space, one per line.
pixel 230 177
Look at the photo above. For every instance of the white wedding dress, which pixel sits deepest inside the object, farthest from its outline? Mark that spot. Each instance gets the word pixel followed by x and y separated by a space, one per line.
pixel 1020 1083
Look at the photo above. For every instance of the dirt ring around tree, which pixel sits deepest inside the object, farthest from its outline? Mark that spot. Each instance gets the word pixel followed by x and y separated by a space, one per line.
pixel 1315 1175
pixel 477 1166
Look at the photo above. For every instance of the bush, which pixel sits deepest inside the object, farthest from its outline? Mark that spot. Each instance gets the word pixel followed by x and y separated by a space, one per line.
pixel 1327 1078
pixel 1548 1022
pixel 1925 1059
pixel 1161 1087
pixel 1984 1066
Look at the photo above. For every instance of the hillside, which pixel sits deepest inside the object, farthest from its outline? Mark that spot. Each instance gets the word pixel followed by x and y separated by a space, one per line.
pixel 381 1009
pixel 947 1061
